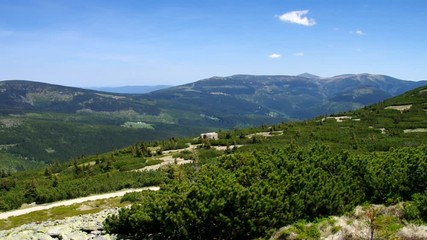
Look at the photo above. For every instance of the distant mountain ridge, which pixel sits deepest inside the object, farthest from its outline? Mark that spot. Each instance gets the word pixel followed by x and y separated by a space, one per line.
pixel 293 97
pixel 252 99
pixel 46 122
pixel 309 75
pixel 37 96
pixel 131 89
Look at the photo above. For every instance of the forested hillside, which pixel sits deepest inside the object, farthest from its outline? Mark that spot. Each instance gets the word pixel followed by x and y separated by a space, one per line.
pixel 303 171
pixel 252 181
pixel 41 123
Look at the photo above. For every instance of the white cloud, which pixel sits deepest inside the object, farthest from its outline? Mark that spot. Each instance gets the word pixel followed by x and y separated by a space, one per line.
pixel 274 55
pixel 360 32
pixel 299 54
pixel 297 17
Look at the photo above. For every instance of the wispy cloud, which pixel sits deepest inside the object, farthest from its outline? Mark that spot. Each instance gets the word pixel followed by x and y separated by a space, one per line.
pixel 299 54
pixel 360 32
pixel 274 56
pixel 298 17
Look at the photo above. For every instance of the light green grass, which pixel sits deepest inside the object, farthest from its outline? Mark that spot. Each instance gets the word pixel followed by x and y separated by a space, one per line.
pixel 61 212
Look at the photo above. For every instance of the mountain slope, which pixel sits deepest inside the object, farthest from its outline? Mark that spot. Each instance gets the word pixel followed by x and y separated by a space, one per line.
pixel 273 98
pixel 27 95
pixel 45 122
pixel 298 172
pixel 267 177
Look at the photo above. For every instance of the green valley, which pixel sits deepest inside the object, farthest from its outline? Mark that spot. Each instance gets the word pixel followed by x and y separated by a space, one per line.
pixel 41 123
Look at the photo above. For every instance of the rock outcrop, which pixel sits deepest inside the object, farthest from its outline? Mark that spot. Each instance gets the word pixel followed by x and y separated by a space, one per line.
pixel 82 227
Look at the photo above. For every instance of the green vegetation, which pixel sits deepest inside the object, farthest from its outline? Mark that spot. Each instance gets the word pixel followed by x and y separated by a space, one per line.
pixel 43 123
pixel 261 180
pixel 11 163
pixel 62 212
pixel 249 194
pixel 314 169
pixel 78 178
pixel 416 210
pixel 302 230
pixel 78 135
pixel 367 222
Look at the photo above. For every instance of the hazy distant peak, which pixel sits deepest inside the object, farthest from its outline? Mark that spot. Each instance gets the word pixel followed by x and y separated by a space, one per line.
pixel 362 76
pixel 136 89
pixel 309 75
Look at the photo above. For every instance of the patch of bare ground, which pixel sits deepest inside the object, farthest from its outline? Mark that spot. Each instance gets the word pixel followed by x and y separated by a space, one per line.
pixel 400 108
pixel 368 222
pixel 383 130
pixel 265 134
pixel 412 232
pixel 339 118
pixel 34 208
pixel 168 159
pixel 10 122
pixel 223 148
pixel 190 147
pixel 416 130
pixel 85 207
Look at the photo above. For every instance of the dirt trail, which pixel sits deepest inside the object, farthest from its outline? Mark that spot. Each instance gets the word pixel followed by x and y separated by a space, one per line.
pixel 19 212
pixel 169 159
pixel 166 160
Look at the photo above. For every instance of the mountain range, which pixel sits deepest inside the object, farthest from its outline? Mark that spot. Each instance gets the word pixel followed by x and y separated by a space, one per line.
pixel 130 89
pixel 287 178
pixel 44 122
pixel 268 98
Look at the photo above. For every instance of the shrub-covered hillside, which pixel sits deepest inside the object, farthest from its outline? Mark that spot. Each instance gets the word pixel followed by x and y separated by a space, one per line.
pixel 252 181
pixel 247 195
pixel 297 171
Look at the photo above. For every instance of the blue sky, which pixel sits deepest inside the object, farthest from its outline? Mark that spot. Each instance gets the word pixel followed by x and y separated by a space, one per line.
pixel 148 42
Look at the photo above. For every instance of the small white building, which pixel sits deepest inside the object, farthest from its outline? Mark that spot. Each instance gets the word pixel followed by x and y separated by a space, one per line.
pixel 210 135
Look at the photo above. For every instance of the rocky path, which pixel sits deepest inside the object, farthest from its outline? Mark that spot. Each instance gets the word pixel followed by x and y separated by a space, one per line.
pixel 169 160
pixel 18 212
pixel 82 227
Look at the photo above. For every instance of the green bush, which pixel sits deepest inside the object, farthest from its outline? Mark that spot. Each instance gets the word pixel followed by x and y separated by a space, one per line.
pixel 247 195
pixel 416 210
